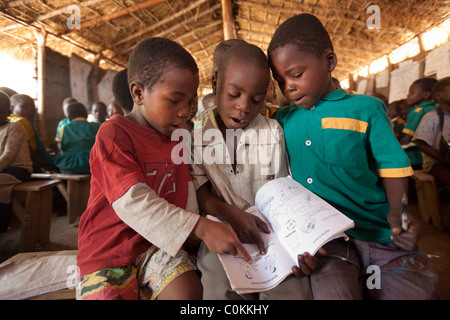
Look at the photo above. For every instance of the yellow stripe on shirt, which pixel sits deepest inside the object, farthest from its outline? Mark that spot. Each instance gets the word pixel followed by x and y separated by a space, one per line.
pixel 395 172
pixel 408 131
pixel 344 124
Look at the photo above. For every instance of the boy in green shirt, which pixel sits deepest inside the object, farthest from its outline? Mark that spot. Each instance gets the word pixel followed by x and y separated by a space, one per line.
pixel 419 96
pixel 342 147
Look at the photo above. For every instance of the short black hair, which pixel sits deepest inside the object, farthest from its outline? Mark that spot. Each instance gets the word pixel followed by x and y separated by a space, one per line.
pixel 439 86
pixel 152 55
pixel 306 32
pixel 425 83
pixel 244 52
pixel 19 98
pixel 76 110
pixel 8 91
pixel 4 100
pixel 121 90
pixel 220 50
pixel 99 103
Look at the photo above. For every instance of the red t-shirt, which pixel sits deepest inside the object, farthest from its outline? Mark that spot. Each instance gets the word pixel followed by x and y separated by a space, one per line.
pixel 125 153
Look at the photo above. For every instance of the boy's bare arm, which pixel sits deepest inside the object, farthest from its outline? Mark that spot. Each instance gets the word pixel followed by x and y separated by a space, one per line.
pixel 245 224
pixel 429 150
pixel 395 188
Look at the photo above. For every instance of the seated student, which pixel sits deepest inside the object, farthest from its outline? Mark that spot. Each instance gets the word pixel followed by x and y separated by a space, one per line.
pixel 121 91
pixel 114 108
pixel 15 161
pixel 142 207
pixel 8 91
pixel 227 186
pixel 66 119
pixel 192 114
pixel 382 97
pixel 77 139
pixel 99 112
pixel 270 106
pixel 23 112
pixel 419 96
pixel 341 147
pixel 433 135
pixel 399 121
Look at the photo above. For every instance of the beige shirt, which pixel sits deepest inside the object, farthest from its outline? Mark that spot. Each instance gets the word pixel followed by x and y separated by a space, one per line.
pixel 14 150
pixel 429 130
pixel 260 153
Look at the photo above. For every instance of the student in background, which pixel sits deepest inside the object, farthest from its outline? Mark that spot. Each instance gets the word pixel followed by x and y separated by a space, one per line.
pixel 227 187
pixel 432 136
pixel 114 108
pixel 270 107
pixel 77 139
pixel 142 209
pixel 121 91
pixel 382 97
pixel 401 108
pixel 23 112
pixel 66 119
pixel 192 114
pixel 15 162
pixel 99 112
pixel 341 147
pixel 419 96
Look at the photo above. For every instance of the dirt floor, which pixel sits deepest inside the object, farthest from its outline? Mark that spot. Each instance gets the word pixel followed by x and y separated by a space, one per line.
pixel 63 236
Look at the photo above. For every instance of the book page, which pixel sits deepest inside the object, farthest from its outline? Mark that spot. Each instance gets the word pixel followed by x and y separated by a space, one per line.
pixel 302 220
pixel 265 272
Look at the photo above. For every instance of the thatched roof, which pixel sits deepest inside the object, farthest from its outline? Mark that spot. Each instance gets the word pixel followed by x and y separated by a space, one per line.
pixel 110 29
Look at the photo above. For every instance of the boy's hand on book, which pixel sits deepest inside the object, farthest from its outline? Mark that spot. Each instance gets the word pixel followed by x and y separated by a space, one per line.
pixel 247 227
pixel 306 263
pixel 220 238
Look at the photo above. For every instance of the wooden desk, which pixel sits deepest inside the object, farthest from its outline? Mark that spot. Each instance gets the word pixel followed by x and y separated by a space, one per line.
pixel 32 204
pixel 75 190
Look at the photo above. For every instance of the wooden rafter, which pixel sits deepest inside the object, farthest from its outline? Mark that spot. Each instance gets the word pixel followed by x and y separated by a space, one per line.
pixel 113 15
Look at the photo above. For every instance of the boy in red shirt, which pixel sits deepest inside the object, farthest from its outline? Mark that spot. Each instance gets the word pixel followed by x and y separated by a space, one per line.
pixel 141 208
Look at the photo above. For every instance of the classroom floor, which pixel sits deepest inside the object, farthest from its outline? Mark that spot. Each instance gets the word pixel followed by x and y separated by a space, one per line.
pixel 63 236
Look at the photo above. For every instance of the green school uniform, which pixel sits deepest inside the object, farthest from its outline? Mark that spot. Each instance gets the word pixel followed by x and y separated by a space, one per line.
pixel 77 139
pixel 62 123
pixel 339 150
pixel 412 122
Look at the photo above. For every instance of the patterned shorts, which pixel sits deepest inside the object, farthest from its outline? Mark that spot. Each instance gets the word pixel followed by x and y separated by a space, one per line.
pixel 144 280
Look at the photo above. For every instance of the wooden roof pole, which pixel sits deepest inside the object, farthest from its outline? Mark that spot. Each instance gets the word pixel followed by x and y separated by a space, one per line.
pixel 229 27
pixel 41 38
pixel 114 15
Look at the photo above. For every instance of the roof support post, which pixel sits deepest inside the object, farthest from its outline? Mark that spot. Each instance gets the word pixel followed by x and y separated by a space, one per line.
pixel 41 38
pixel 229 27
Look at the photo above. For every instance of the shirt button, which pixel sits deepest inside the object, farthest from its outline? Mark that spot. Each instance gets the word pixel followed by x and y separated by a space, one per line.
pixel 309 180
pixel 308 142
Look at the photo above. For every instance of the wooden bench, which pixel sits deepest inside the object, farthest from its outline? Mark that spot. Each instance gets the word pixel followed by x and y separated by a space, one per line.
pixel 32 204
pixel 428 198
pixel 75 190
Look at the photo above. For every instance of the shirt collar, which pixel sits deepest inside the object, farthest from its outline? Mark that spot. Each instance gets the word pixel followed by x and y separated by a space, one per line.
pixel 337 94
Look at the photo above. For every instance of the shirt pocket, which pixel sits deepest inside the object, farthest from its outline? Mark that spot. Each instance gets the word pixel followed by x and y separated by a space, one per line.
pixel 344 142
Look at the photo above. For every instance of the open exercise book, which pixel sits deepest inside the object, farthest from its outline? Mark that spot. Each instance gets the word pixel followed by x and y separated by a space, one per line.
pixel 301 222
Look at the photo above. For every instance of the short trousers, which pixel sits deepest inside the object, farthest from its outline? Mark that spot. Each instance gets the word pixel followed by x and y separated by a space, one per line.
pixel 144 280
